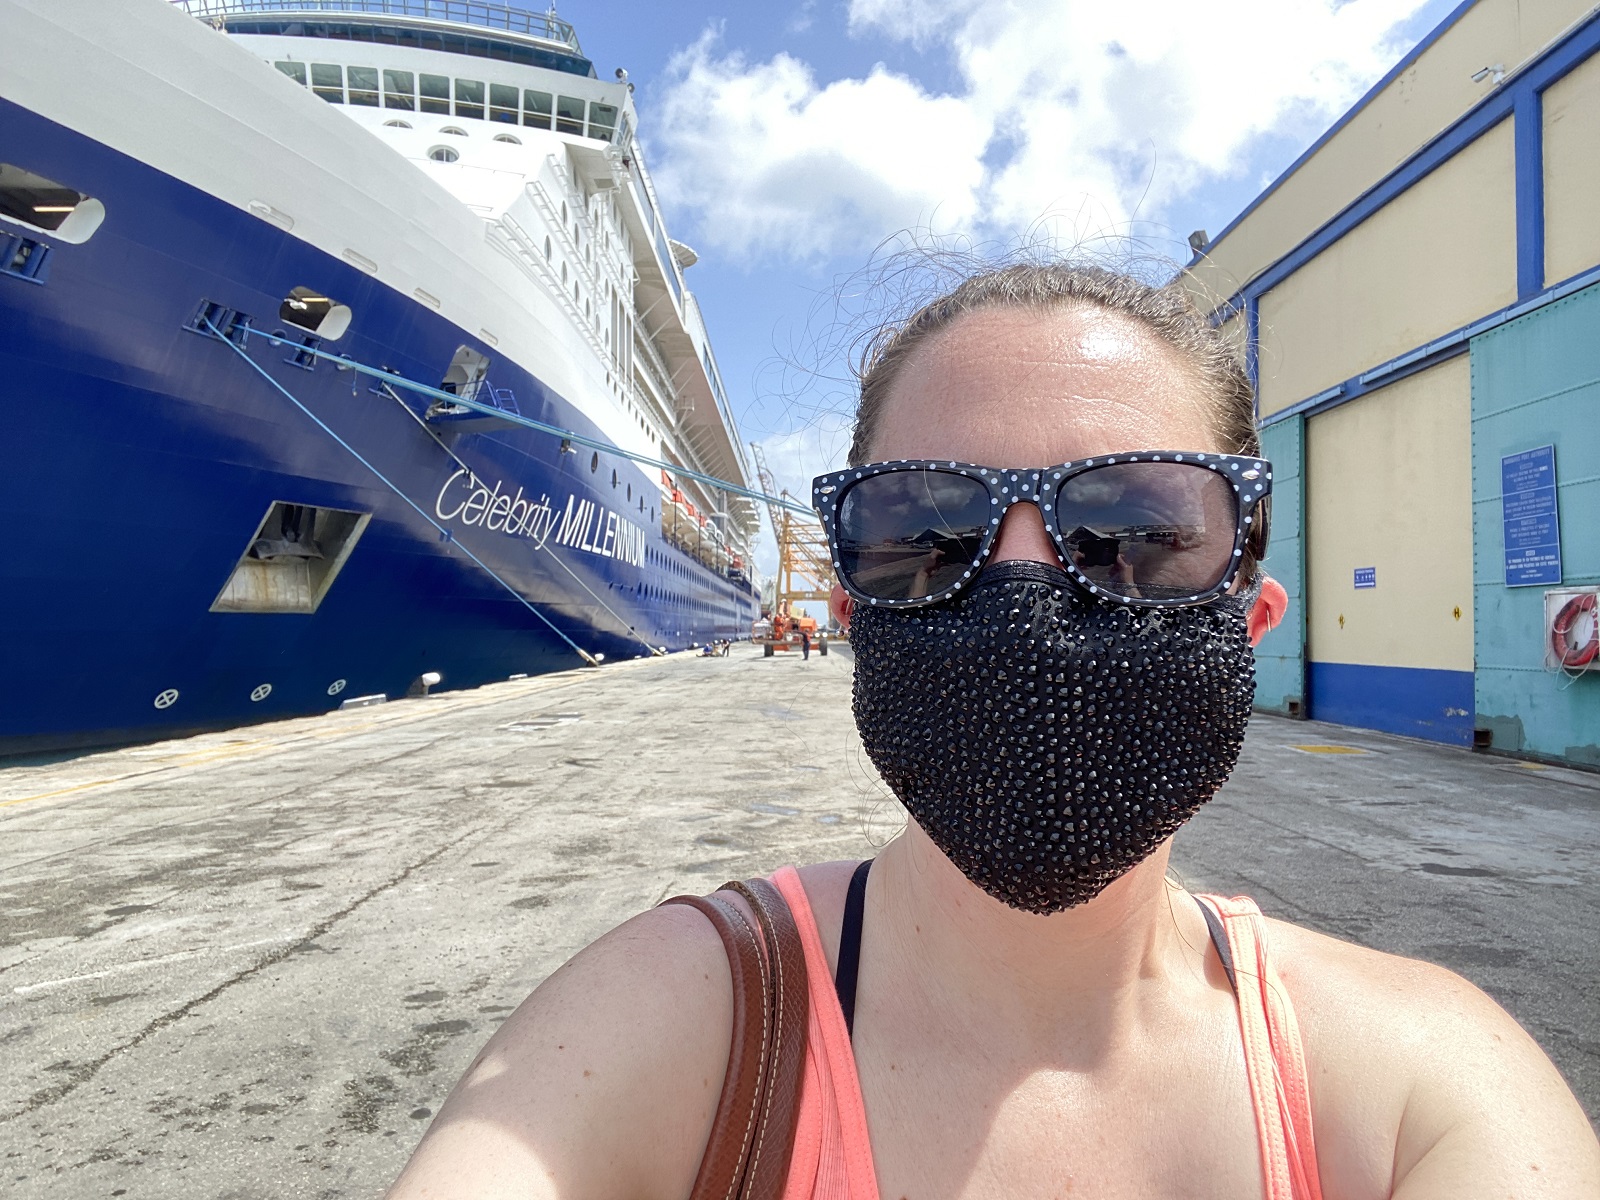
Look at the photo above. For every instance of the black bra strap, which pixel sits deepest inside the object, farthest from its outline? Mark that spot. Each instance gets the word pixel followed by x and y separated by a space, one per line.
pixel 844 978
pixel 1219 939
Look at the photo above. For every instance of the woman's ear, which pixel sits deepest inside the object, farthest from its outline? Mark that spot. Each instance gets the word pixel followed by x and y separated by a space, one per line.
pixel 840 606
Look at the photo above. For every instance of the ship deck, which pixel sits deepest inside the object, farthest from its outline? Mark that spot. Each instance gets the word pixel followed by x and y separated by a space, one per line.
pixel 253 963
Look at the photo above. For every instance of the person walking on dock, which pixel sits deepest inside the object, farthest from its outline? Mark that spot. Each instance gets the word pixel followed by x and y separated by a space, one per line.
pixel 805 645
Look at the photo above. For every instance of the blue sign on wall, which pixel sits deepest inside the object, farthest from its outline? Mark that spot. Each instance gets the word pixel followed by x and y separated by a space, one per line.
pixel 1532 528
pixel 1366 577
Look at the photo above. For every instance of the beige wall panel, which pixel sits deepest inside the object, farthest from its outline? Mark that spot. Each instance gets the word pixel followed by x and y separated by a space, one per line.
pixel 1572 173
pixel 1389 486
pixel 1442 254
pixel 1417 104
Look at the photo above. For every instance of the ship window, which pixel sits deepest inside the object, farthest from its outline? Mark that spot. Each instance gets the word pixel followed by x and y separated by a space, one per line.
pixel 327 81
pixel 569 115
pixel 46 205
pixel 435 90
pixel 443 154
pixel 454 131
pixel 536 109
pixel 398 124
pixel 547 248
pixel 399 90
pixel 503 103
pixel 295 71
pixel 311 310
pixel 292 560
pixel 507 137
pixel 469 98
pixel 594 463
pixel 602 120
pixel 363 86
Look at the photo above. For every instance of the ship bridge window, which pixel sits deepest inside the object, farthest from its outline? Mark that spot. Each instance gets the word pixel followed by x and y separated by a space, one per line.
pixel 503 103
pixel 363 82
pixel 508 137
pixel 602 120
pixel 435 93
pixel 327 81
pixel 46 205
pixel 399 90
pixel 469 98
pixel 292 560
pixel 468 369
pixel 294 70
pixel 443 154
pixel 536 109
pixel 316 313
pixel 569 115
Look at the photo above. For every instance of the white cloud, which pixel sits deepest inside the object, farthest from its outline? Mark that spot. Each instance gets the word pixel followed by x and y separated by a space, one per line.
pixel 1077 115
pixel 777 164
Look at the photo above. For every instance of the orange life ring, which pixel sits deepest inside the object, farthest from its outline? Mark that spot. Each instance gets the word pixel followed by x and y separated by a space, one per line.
pixel 1564 645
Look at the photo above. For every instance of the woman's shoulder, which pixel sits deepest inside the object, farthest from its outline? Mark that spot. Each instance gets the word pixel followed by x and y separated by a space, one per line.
pixel 1416 1073
pixel 603 1082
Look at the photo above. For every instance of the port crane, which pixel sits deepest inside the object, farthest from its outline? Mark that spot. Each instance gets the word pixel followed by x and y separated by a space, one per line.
pixel 805 569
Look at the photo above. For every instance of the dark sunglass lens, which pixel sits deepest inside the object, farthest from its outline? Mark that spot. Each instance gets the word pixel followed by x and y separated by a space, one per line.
pixel 910 535
pixel 1159 531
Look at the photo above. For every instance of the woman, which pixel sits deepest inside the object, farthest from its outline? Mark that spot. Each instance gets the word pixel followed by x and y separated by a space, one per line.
pixel 1038 1012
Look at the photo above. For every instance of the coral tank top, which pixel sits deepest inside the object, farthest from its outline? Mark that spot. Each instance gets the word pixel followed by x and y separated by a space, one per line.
pixel 833 1155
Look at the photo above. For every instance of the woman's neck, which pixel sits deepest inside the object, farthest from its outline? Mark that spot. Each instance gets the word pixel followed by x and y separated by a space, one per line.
pixel 1090 974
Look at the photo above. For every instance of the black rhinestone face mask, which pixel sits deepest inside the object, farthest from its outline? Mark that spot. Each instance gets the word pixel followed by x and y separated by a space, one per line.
pixel 1045 741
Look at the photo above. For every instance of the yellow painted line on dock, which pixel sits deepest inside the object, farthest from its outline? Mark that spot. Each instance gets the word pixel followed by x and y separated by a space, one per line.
pixel 1329 750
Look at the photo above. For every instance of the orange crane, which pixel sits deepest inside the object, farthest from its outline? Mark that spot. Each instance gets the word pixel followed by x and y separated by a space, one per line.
pixel 805 571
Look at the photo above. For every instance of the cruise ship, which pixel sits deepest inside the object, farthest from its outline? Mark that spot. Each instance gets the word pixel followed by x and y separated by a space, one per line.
pixel 345 354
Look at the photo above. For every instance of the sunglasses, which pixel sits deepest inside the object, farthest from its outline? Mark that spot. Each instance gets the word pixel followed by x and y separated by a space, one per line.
pixel 1156 528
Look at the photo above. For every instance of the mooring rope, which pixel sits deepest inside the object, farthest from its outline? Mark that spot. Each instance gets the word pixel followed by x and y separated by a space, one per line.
pixel 490 410
pixel 387 482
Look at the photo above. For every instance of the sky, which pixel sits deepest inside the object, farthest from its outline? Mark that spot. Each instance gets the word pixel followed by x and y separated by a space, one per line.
pixel 810 149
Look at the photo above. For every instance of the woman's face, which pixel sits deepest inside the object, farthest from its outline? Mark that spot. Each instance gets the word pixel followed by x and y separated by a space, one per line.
pixel 1009 387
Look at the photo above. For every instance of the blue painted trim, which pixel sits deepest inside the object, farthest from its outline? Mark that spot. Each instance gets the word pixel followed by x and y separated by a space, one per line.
pixel 1528 118
pixel 1252 349
pixel 1416 52
pixel 1431 354
pixel 1554 63
pixel 1415 702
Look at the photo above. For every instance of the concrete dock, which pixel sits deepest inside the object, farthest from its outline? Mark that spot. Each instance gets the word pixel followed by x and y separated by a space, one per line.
pixel 251 964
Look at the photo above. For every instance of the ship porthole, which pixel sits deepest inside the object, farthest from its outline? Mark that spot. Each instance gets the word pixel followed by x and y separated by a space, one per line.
pixel 594 462
pixel 336 687
pixel 506 137
pixel 167 698
pixel 260 692
pixel 443 154
pixel 398 124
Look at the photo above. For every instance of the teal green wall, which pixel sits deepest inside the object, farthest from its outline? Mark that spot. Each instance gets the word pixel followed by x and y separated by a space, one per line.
pixel 1280 658
pixel 1536 382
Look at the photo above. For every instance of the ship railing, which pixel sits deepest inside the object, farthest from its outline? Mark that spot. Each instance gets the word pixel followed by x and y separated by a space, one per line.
pixel 479 13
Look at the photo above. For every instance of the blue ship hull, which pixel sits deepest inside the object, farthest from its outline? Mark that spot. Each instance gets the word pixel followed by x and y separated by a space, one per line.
pixel 140 457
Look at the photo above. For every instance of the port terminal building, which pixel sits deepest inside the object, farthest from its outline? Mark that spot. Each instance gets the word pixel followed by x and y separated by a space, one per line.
pixel 1417 299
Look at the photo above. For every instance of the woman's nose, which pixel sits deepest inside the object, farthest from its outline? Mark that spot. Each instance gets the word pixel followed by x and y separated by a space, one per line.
pixel 1023 535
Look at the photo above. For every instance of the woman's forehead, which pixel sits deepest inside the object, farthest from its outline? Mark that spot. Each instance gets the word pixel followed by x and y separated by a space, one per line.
pixel 1031 387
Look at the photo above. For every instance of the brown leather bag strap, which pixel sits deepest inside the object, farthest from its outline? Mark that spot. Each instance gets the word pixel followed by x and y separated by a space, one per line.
pixel 785 1062
pixel 734 1128
pixel 752 1134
